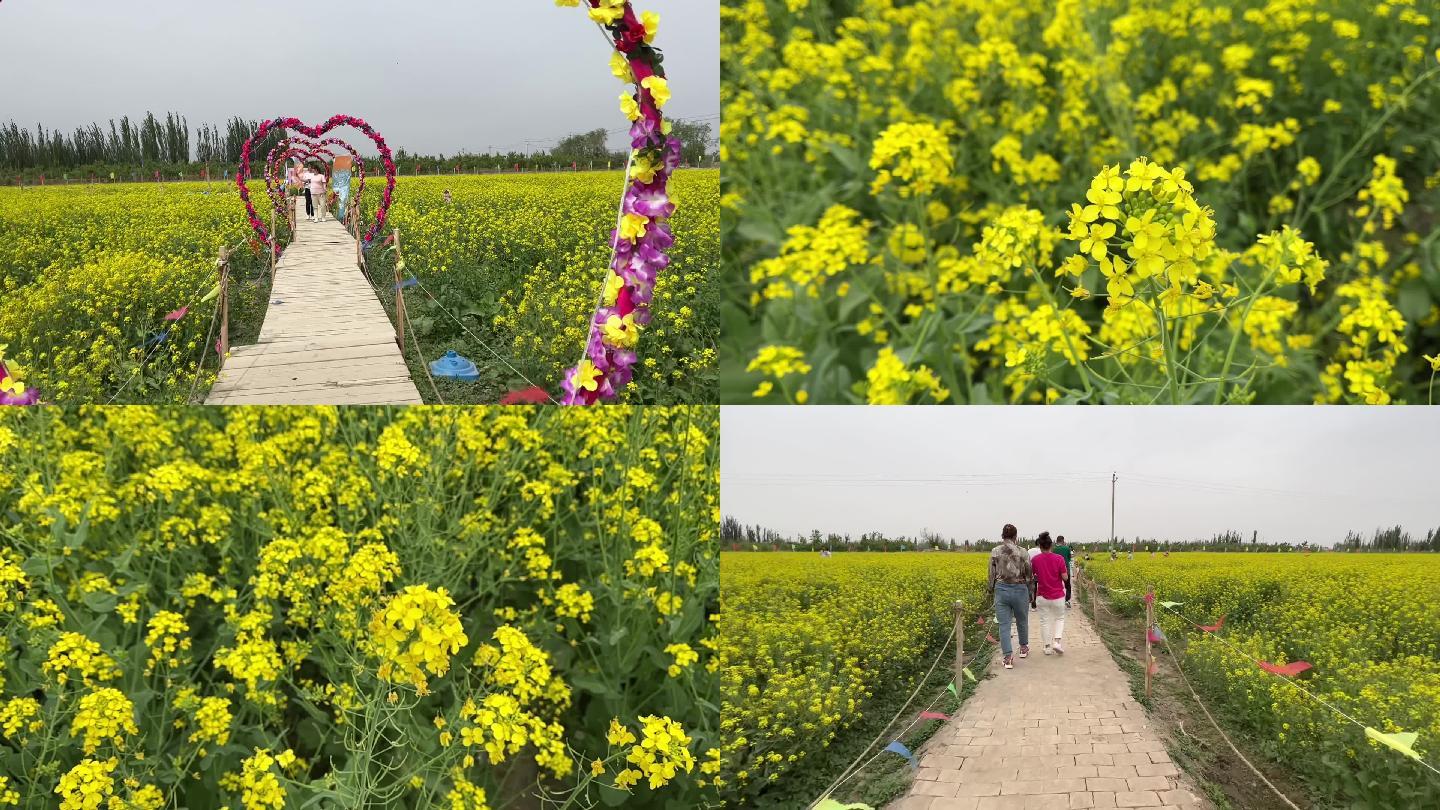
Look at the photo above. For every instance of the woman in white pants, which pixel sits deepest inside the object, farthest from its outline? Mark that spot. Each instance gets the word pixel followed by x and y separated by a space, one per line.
pixel 318 185
pixel 1050 577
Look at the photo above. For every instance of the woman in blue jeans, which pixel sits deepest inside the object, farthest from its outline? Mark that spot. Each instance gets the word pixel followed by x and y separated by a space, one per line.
pixel 1010 577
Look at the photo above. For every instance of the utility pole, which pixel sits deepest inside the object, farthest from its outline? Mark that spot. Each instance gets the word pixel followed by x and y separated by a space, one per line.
pixel 1113 479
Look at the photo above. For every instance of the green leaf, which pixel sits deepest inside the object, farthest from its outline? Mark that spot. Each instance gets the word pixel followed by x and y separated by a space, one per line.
pixel 99 602
pixel 764 232
pixel 612 797
pixel 1413 301
pixel 847 157
pixel 593 685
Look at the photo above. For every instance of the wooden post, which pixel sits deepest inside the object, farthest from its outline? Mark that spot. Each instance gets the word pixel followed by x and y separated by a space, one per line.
pixel 1149 620
pixel 355 223
pixel 399 296
pixel 224 307
pixel 959 646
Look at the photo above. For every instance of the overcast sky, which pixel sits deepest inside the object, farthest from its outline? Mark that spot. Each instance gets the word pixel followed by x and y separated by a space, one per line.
pixel 430 75
pixel 1299 473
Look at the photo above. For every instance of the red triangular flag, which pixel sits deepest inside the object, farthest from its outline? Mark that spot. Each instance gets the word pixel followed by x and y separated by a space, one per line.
pixel 1289 670
pixel 990 638
pixel 1214 628
pixel 177 314
pixel 532 395
pixel 933 716
pixel 979 619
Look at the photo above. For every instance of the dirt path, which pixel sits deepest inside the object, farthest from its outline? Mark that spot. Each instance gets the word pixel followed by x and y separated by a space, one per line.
pixel 1055 732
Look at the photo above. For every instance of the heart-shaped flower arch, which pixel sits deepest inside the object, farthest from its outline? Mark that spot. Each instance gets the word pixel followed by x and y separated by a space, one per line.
pixel 642 234
pixel 315 132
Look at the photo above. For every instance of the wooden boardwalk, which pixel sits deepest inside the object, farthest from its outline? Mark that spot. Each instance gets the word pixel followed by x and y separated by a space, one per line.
pixel 325 341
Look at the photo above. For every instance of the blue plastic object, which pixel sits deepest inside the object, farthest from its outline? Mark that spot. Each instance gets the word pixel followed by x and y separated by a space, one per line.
pixel 453 365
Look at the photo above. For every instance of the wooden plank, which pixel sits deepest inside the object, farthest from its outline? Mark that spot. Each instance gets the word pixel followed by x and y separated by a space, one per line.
pixel 290 363
pixel 359 372
pixel 392 394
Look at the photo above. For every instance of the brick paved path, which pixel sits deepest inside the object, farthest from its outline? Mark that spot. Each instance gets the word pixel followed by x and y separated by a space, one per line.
pixel 1054 732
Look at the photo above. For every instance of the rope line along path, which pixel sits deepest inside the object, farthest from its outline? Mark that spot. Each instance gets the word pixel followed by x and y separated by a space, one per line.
pixel 326 339
pixel 1057 731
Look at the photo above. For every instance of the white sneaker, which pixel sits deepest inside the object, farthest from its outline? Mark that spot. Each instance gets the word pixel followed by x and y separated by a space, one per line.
pixel 1059 650
pixel 1047 649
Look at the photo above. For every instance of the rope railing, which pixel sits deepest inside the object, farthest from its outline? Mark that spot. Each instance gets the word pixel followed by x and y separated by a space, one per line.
pixel 961 665
pixel 1213 632
pixel 162 333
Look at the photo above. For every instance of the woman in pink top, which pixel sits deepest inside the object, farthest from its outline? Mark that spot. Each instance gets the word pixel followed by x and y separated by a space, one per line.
pixel 1050 577
pixel 318 182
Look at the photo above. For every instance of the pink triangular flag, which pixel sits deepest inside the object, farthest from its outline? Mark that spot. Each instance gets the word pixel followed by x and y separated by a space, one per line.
pixel 1154 666
pixel 1213 628
pixel 1289 670
pixel 989 638
pixel 979 619
pixel 933 716
pixel 177 314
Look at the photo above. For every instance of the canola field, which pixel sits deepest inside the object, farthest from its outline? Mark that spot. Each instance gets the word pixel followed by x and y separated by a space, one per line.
pixel 315 607
pixel 89 273
pixel 520 258
pixel 809 645
pixel 1366 623
pixel 1119 201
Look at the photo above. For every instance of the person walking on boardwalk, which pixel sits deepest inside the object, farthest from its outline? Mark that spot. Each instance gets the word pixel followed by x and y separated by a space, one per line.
pixel 305 175
pixel 318 183
pixel 1009 580
pixel 1051 574
pixel 1063 549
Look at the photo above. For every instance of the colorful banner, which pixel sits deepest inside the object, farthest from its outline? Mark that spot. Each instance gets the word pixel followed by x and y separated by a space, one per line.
pixel 340 181
pixel 1402 741
pixel 1289 670
pixel 898 747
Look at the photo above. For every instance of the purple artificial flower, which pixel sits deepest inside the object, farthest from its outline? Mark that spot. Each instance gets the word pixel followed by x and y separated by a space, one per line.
pixel 643 133
pixel 672 154
pixel 614 380
pixel 648 200
pixel 30 397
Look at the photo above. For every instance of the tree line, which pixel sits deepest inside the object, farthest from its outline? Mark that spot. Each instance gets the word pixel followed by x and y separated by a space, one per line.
pixel 737 536
pixel 1394 538
pixel 130 149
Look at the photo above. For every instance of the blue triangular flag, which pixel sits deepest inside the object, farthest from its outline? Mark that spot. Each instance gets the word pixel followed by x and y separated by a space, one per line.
pixel 409 282
pixel 157 339
pixel 899 748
